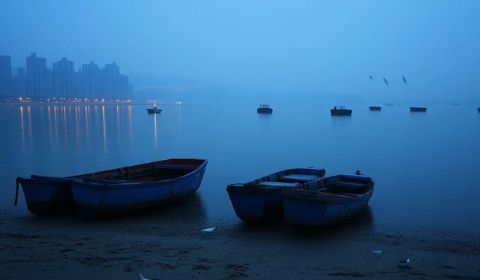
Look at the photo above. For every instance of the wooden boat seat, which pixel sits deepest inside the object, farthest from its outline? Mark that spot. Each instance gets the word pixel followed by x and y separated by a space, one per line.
pixel 301 178
pixel 277 184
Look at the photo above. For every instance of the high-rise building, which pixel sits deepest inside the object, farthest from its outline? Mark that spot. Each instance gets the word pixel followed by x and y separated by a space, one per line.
pixel 91 80
pixel 37 76
pixel 110 77
pixel 63 78
pixel 20 83
pixel 39 81
pixel 5 76
pixel 77 84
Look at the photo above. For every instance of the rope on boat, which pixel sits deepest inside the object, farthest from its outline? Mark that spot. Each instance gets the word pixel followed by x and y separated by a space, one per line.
pixel 16 191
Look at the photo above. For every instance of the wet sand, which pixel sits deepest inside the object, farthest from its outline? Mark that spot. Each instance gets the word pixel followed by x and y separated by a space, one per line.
pixel 166 245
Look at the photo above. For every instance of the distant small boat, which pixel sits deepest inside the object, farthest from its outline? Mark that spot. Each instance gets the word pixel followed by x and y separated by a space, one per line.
pixel 327 201
pixel 388 104
pixel 418 109
pixel 115 190
pixel 375 108
pixel 264 109
pixel 340 111
pixel 261 201
pixel 478 109
pixel 154 110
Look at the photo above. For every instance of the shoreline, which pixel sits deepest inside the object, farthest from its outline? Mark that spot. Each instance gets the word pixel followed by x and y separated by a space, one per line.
pixel 168 246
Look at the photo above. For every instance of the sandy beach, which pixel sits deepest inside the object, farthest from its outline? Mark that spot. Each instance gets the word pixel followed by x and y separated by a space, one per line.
pixel 168 244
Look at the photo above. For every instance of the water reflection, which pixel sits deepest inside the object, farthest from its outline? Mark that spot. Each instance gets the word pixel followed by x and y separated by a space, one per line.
pixel 117 111
pixel 77 123
pixel 55 127
pixel 25 125
pixel 129 110
pixel 22 125
pixel 155 138
pixel 104 129
pixel 65 123
pixel 87 123
pixel 68 124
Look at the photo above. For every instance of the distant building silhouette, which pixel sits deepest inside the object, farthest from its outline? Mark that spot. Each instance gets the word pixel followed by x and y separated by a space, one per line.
pixel 62 80
pixel 91 77
pixel 5 76
pixel 37 76
pixel 20 83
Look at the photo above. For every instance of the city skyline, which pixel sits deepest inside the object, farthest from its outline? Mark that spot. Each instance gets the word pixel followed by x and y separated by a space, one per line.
pixel 61 79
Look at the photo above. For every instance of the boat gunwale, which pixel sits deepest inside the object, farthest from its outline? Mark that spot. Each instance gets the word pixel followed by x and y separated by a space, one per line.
pixel 107 184
pixel 104 182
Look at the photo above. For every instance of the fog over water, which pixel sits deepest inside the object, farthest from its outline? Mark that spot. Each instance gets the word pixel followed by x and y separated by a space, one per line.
pixel 220 59
pixel 271 48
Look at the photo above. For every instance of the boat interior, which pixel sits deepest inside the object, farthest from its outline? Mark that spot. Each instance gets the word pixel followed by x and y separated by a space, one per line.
pixel 290 178
pixel 348 185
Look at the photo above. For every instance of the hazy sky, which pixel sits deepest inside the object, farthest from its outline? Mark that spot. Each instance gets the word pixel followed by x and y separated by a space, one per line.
pixel 302 45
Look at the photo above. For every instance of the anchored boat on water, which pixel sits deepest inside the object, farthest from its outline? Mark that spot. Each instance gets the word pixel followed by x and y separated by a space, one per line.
pixel 327 201
pixel 418 109
pixel 261 201
pixel 113 191
pixel 264 109
pixel 340 111
pixel 154 110
pixel 375 108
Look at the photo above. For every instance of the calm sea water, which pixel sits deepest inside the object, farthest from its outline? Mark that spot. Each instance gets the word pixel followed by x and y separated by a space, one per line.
pixel 425 165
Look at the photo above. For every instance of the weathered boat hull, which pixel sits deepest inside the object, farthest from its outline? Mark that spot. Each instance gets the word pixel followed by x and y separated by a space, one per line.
pixel 260 201
pixel 97 198
pixel 317 208
pixel 174 178
pixel 256 205
pixel 47 196
pixel 307 211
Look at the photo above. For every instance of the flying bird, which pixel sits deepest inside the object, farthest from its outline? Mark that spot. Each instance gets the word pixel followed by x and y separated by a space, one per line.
pixel 385 81
pixel 404 79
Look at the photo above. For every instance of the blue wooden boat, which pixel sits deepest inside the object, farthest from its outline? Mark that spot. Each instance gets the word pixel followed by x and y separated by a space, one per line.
pixel 261 201
pixel 327 201
pixel 154 184
pixel 134 187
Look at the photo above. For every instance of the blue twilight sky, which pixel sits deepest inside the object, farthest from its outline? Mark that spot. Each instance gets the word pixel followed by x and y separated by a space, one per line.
pixel 302 45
